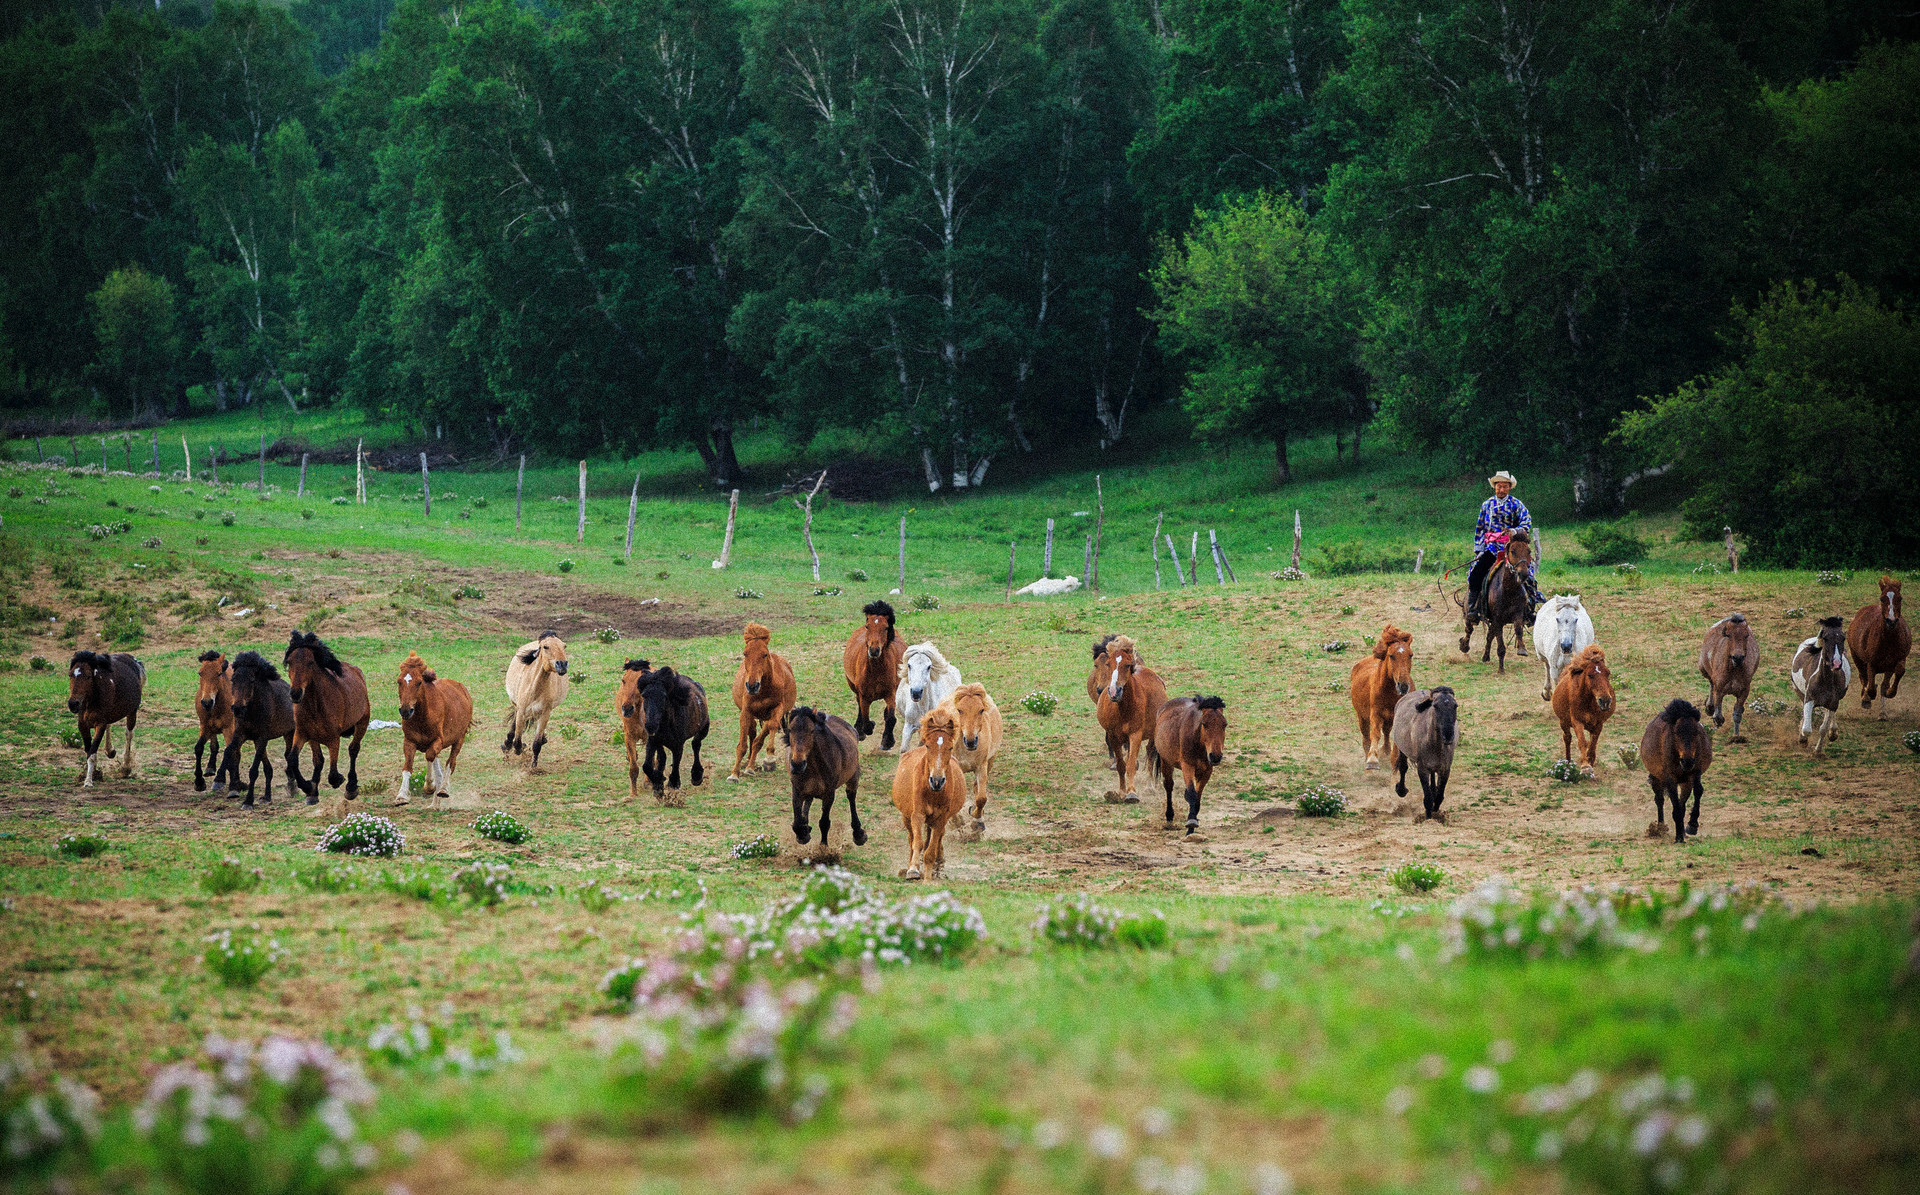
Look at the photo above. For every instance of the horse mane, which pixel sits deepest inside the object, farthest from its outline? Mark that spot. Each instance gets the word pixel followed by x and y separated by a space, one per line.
pixel 940 666
pixel 637 666
pixel 1736 617
pixel 96 659
pixel 1208 703
pixel 1439 689
pixel 209 656
pixel 1679 710
pixel 662 676
pixel 253 661
pixel 798 714
pixel 322 654
pixel 1521 537
pixel 1100 645
pixel 547 634
pixel 881 608
pixel 1832 624
pixel 413 658
pixel 756 631
pixel 1123 643
pixel 1389 636
pixel 1888 581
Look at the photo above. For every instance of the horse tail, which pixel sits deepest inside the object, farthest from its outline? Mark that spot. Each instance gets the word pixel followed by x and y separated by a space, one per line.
pixel 1153 754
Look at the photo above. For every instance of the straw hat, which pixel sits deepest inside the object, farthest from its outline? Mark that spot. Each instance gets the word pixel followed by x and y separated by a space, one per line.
pixel 1503 475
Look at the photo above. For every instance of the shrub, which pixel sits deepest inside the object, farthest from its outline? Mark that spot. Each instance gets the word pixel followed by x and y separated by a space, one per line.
pixel 482 883
pixel 598 898
pixel 1412 878
pixel 1629 756
pixel 1497 920
pixel 746 594
pixel 329 877
pixel 469 591
pixel 760 846
pixel 1289 573
pixel 826 591
pixel 1078 921
pixel 307 513
pixel 1912 740
pixel 240 964
pixel 230 875
pixel 479 503
pixel 607 634
pixel 1629 573
pixel 1827 576
pixel 1564 769
pixel 501 827
pixel 47 1118
pixel 40 664
pixel 430 1048
pixel 1321 800
pixel 1334 647
pixel 152 541
pixel 274 1118
pixel 857 574
pixel 926 601
pixel 363 834
pixel 565 566
pixel 1611 542
pixel 81 846
pixel 341 501
pixel 226 518
pixel 414 883
pixel 1040 702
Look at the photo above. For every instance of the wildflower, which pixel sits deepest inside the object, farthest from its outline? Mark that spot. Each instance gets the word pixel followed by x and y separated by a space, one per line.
pixel 1107 1141
pixel 1481 1079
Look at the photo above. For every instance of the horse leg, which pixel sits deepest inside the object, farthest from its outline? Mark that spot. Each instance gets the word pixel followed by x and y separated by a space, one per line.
pixel 1133 758
pixel 886 734
pixel 1581 743
pixel 106 738
pixel 656 768
pixel 1891 689
pixel 1193 796
pixel 1739 712
pixel 1693 819
pixel 698 771
pixel 1806 721
pixel 980 795
pixel 406 770
pixel 512 742
pixel 740 749
pixel 253 773
pixel 802 832
pixel 633 770
pixel 862 723
pixel 1566 740
pixel 1499 636
pixel 89 745
pixel 1865 669
pixel 673 777
pixel 1166 782
pixel 912 870
pixel 199 778
pixel 1657 828
pixel 826 815
pixel 1366 740
pixel 353 761
pixel 1400 769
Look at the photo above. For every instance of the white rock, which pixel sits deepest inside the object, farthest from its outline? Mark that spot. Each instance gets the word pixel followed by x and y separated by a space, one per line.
pixel 1048 586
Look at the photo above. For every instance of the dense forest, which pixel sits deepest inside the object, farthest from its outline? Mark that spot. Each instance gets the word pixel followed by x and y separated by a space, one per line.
pixel 1612 235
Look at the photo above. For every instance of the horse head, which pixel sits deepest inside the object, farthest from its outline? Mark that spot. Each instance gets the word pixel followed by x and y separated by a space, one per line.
pixel 656 694
pixel 1213 727
pixel 758 666
pixel 917 670
pixel 1520 551
pixel 213 680
pixel 1684 720
pixel 799 729
pixel 1446 711
pixel 879 628
pixel 938 735
pixel 87 670
pixel 250 671
pixel 1738 633
pixel 549 653
pixel 1395 646
pixel 970 707
pixel 1832 645
pixel 1889 600
pixel 631 678
pixel 1566 622
pixel 1126 661
pixel 415 676
pixel 1590 671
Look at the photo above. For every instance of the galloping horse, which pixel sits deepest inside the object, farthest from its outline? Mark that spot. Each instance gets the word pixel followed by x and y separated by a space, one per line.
pixel 1129 704
pixel 674 712
pixel 435 716
pixel 823 753
pixel 1880 640
pixel 1822 676
pixel 928 789
pixel 1729 659
pixel 329 700
pixel 1506 602
pixel 1676 754
pixel 262 712
pixel 764 690
pixel 214 707
pixel 872 663
pixel 104 687
pixel 1376 685
pixel 1189 737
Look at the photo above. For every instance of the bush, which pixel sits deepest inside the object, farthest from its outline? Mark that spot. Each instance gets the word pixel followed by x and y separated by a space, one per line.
pixel 745 594
pixel 565 566
pixel 48 1119
pixel 482 883
pixel 1040 702
pixel 501 827
pixel 40 664
pixel 1078 921
pixel 857 574
pixel 479 503
pixel 329 877
pixel 1565 769
pixel 760 846
pixel 152 541
pixel 598 898
pixel 1827 576
pixel 306 513
pixel 241 964
pixel 1349 557
pixel 226 518
pixel 342 501
pixel 926 601
pixel 430 1048
pixel 1611 543
pixel 81 846
pixel 230 875
pixel 1412 878
pixel 363 834
pixel 1912 740
pixel 1496 920
pixel 415 884
pixel 1321 800
pixel 607 634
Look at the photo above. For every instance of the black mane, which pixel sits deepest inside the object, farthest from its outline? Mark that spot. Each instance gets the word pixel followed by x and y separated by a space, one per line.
pixel 209 656
pixel 878 607
pixel 1832 624
pixel 1679 710
pixel 632 665
pixel 253 661
pixel 323 655
pixel 1209 703
pixel 1100 645
pixel 96 659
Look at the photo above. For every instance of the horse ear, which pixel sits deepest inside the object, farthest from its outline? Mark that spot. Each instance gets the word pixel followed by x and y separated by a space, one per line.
pixel 529 657
pixel 1423 705
pixel 427 674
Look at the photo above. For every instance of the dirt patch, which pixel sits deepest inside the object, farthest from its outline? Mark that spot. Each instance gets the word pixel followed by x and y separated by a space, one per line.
pixel 536 604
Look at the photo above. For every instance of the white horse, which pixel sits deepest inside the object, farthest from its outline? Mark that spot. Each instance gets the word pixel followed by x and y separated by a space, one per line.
pixel 1561 631
pixel 925 681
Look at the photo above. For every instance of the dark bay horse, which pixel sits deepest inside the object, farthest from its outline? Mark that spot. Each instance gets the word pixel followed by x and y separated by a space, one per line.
pixel 1506 602
pixel 214 707
pixel 1676 752
pixel 674 712
pixel 262 712
pixel 103 688
pixel 1189 737
pixel 1880 640
pixel 823 754
pixel 329 701
pixel 871 660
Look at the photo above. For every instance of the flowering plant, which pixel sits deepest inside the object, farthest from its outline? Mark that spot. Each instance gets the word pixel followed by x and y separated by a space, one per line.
pixel 1417 877
pixel 1564 769
pixel 482 883
pixel 363 834
pixel 501 827
pixel 1078 921
pixel 244 963
pixel 81 846
pixel 1040 702
pixel 1495 919
pixel 760 846
pixel 1321 800
pixel 230 875
pixel 430 1047
pixel 44 1117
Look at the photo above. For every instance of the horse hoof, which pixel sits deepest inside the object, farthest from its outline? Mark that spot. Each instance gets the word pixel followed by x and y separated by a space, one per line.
pixel 733 776
pixel 199 785
pixel 1373 765
pixel 1656 829
pixel 402 801
pixel 1738 738
pixel 979 827
pixel 313 800
pixel 1463 644
pixel 859 838
pixel 1130 799
pixel 1112 796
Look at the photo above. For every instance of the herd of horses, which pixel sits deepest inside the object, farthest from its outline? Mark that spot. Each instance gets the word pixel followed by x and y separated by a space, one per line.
pixel 949 730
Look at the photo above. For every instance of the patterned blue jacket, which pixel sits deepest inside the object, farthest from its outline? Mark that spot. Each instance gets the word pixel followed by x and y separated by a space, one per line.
pixel 1500 514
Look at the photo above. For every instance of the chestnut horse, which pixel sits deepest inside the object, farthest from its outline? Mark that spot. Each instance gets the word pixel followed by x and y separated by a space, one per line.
pixel 102 688
pixel 928 789
pixel 329 701
pixel 1676 753
pixel 1102 669
pixel 979 726
pixel 1129 703
pixel 435 716
pixel 1376 686
pixel 823 753
pixel 871 661
pixel 1729 659
pixel 1506 602
pixel 764 690
pixel 262 712
pixel 214 707
pixel 1583 701
pixel 1189 736
pixel 1880 640
pixel 633 718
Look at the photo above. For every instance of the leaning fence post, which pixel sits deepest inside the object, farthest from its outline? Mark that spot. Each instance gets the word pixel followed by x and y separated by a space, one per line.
pixel 188 453
pixel 1011 544
pixel 263 464
pixel 1296 541
pixel 360 472
pixel 1174 551
pixel 1086 567
pixel 726 544
pixel 519 484
pixel 1153 541
pixel 1213 548
pixel 633 508
pixel 1418 558
pixel 214 457
pixel 1046 558
pixel 903 555
pixel 1099 517
pixel 580 533
pixel 302 491
pixel 426 491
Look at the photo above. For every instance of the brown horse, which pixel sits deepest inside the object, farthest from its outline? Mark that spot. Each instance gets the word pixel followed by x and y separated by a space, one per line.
pixel 214 707
pixel 1102 668
pixel 1676 753
pixel 928 789
pixel 1730 659
pixel 1127 707
pixel 633 718
pixel 435 716
pixel 1506 602
pixel 871 661
pixel 1189 736
pixel 979 726
pixel 262 712
pixel 1880 641
pixel 329 701
pixel 1376 685
pixel 103 688
pixel 764 690
pixel 1583 701
pixel 823 754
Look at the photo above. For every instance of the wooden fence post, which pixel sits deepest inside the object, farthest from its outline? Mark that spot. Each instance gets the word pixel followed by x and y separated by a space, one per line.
pixel 1086 566
pixel 263 464
pixel 1011 544
pixel 1174 551
pixel 1193 558
pixel 360 472
pixel 188 453
pixel 1046 558
pixel 103 454
pixel 213 456
pixel 1153 541
pixel 126 446
pixel 726 545
pixel 42 453
pixel 302 491
pixel 1099 518
pixel 426 490
pixel 1419 557
pixel 156 452
pixel 73 452
pixel 633 508
pixel 806 526
pixel 519 484
pixel 903 555
pixel 1213 549
pixel 1733 553
pixel 580 532
pixel 1296 540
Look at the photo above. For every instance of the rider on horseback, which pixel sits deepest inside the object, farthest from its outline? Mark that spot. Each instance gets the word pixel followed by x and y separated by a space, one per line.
pixel 1502 518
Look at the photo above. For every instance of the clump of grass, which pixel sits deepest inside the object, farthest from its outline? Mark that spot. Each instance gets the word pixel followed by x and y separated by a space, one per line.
pixel 1828 576
pixel 1565 769
pixel 329 877
pixel 760 846
pixel 40 664
pixel 1912 740
pixel 857 574
pixel 1078 921
pixel 745 594
pixel 1412 878
pixel 598 898
pixel 1040 702
pixel 565 566
pixel 341 502
pixel 1629 756
pixel 413 883
pixel 501 827
pixel 482 883
pixel 306 514
pixel 479 503
pixel 926 601
pixel 363 834
pixel 241 964
pixel 230 875
pixel 152 541
pixel 469 592
pixel 607 634
pixel 1289 573
pixel 1348 608
pixel 1321 800
pixel 1496 920
pixel 1334 646
pixel 826 591
pixel 226 518
pixel 81 846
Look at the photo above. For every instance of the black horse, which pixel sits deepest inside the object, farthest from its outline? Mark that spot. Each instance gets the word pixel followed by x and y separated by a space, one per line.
pixel 823 753
pixel 262 712
pixel 676 714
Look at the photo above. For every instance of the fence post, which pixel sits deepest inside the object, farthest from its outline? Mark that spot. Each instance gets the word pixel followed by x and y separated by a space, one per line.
pixel 519 484
pixel 263 464
pixel 1213 549
pixel 1174 551
pixel 1046 558
pixel 302 491
pixel 73 452
pixel 1733 554
pixel 1011 544
pixel 580 532
pixel 103 454
pixel 360 472
pixel 1193 558
pixel 726 545
pixel 806 526
pixel 42 453
pixel 188 453
pixel 1099 518
pixel 633 508
pixel 1086 565
pixel 1419 557
pixel 426 490
pixel 903 555
pixel 156 452
pixel 1296 540
pixel 213 457
pixel 126 446
pixel 1153 541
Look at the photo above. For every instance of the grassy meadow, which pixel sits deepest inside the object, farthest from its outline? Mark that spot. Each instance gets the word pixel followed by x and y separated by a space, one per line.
pixel 1305 1027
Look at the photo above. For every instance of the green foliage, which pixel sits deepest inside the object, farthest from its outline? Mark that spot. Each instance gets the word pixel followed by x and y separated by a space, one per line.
pixel 243 963
pixel 1321 800
pixel 760 846
pixel 1347 557
pixel 481 883
pixel 81 846
pixel 1079 921
pixel 1565 770
pixel 1611 543
pixel 230 875
pixel 926 601
pixel 501 827
pixel 1040 702
pixel 1415 878
pixel 598 898
pixel 133 319
pixel 363 834
pixel 49 1120
pixel 329 877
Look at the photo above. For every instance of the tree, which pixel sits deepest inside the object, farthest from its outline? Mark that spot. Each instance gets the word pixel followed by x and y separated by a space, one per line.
pixel 1803 444
pixel 1260 307
pixel 133 321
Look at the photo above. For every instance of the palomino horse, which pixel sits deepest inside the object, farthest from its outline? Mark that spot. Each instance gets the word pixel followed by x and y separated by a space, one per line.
pixel 214 707
pixel 823 754
pixel 1189 736
pixel 536 685
pixel 1676 753
pixel 1880 640
pixel 872 664
pixel 764 690
pixel 1583 701
pixel 1822 676
pixel 329 701
pixel 1729 659
pixel 103 688
pixel 928 789
pixel 1506 602
pixel 262 712
pixel 674 710
pixel 978 723
pixel 435 716
pixel 1129 704
pixel 1376 685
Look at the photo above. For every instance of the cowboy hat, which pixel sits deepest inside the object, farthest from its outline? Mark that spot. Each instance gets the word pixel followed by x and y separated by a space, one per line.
pixel 1503 475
